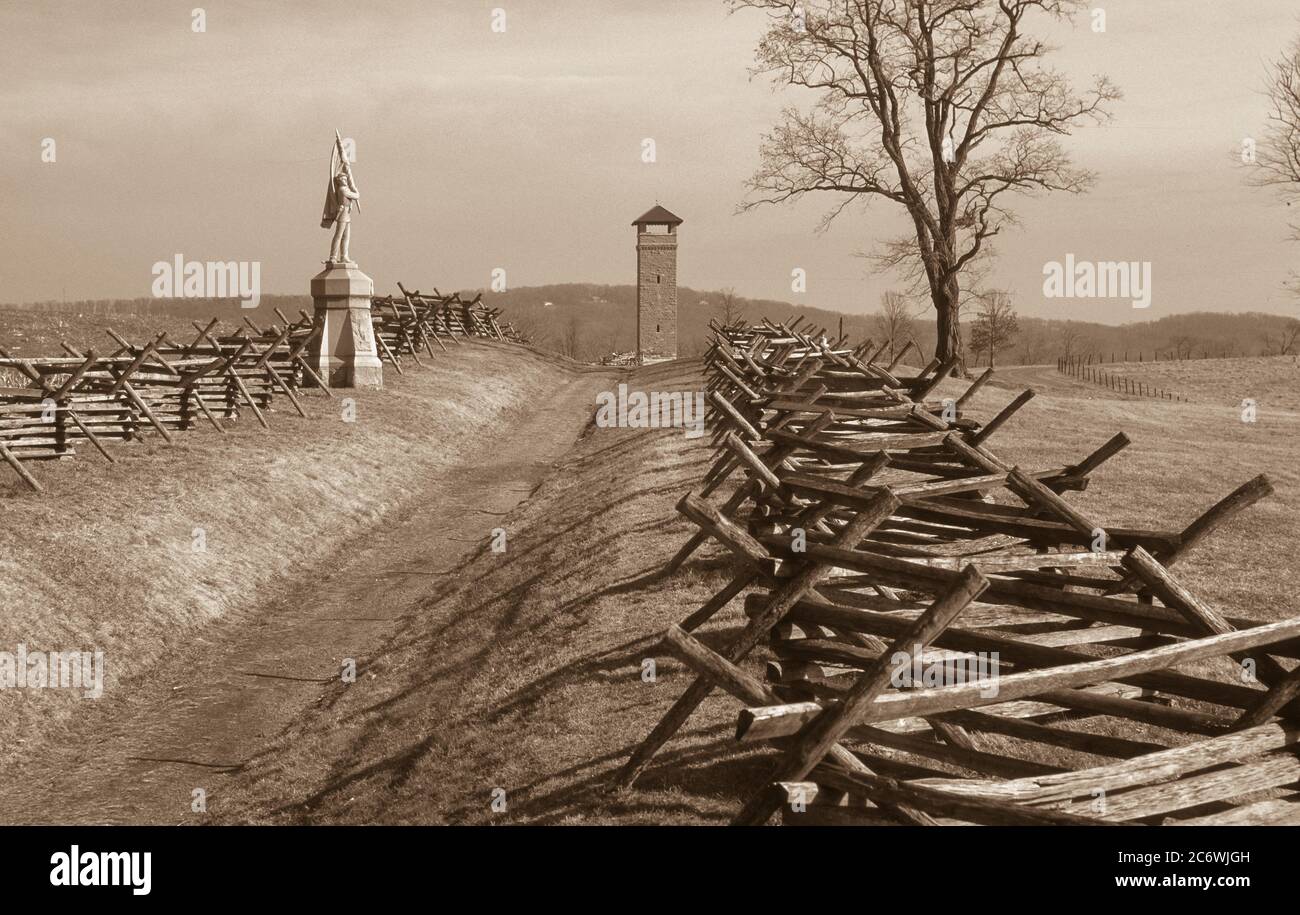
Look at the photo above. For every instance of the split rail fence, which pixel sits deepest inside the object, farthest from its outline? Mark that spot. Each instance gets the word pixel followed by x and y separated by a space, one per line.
pixel 874 532
pixel 1115 381
pixel 164 386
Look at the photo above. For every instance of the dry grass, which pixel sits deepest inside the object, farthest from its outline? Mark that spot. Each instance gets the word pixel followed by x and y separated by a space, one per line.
pixel 1273 382
pixel 105 559
pixel 35 333
pixel 528 676
pixel 1184 457
pixel 26 333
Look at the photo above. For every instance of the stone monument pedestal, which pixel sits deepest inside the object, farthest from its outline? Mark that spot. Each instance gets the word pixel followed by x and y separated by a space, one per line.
pixel 344 353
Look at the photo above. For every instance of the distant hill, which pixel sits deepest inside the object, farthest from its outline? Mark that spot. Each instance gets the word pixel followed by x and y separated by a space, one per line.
pixel 586 321
pixel 194 309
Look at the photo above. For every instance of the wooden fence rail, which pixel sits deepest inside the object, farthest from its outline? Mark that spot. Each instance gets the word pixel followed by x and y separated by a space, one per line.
pixel 1115 381
pixel 164 386
pixel 946 638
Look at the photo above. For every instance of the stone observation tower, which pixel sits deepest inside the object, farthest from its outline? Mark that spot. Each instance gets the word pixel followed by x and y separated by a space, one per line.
pixel 656 285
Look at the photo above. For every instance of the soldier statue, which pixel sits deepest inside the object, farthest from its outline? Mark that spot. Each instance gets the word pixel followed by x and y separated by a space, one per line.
pixel 339 198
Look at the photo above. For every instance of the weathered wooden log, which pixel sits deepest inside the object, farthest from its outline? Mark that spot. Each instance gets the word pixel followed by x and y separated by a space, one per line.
pixel 827 730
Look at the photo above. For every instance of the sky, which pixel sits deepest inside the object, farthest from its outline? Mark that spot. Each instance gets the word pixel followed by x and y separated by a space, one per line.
pixel 522 150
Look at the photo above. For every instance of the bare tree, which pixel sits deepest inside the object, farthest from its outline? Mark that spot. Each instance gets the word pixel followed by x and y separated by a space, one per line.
pixel 1072 341
pixel 1276 159
pixel 1182 345
pixel 572 334
pixel 1278 156
pixel 941 107
pixel 894 322
pixel 996 325
pixel 1031 345
pixel 1290 337
pixel 1284 341
pixel 729 310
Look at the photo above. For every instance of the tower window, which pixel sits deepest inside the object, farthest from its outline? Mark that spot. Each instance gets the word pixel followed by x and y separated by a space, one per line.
pixel 659 277
pixel 656 328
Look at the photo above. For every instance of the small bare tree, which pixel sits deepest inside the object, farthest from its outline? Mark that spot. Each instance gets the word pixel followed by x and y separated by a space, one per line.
pixel 570 341
pixel 1072 341
pixel 1031 345
pixel 1284 341
pixel 995 326
pixel 1183 345
pixel 1290 337
pixel 729 310
pixel 894 323
pixel 1275 161
pixel 944 108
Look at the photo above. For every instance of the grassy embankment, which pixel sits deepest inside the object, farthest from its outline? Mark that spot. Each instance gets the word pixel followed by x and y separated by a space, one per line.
pixel 106 558
pixel 528 677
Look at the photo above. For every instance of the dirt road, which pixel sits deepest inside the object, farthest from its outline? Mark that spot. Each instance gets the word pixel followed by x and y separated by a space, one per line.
pixel 167 743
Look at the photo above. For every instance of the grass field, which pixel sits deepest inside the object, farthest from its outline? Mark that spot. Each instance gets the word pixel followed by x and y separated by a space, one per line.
pixel 529 676
pixel 527 671
pixel 1273 382
pixel 34 333
pixel 1184 457
pixel 107 558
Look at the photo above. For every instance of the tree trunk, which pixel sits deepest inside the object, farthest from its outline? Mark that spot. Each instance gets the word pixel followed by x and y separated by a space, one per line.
pixel 948 344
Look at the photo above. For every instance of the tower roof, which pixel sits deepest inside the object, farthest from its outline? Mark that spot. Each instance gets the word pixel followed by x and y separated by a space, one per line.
pixel 657 216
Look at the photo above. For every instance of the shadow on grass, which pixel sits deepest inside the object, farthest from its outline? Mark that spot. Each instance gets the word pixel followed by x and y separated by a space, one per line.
pixel 698 782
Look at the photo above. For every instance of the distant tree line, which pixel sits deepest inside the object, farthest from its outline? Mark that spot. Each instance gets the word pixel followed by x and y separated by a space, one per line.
pixel 586 321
